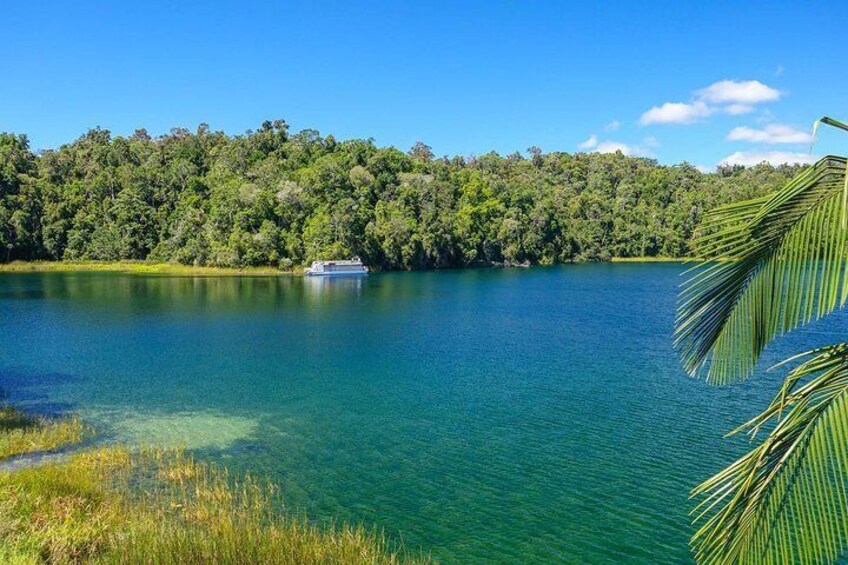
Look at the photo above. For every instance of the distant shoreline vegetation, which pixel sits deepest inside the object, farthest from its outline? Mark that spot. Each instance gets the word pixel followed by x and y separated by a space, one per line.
pixel 275 200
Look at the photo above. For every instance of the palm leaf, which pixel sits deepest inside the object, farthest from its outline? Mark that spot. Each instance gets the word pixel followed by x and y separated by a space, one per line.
pixel 786 500
pixel 770 265
pixel 830 122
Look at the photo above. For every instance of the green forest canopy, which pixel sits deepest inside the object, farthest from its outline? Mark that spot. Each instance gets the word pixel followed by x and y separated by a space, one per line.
pixel 269 197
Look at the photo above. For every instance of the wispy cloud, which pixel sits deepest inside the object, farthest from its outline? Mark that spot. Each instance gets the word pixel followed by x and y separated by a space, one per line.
pixel 737 109
pixel 612 126
pixel 589 143
pixel 751 158
pixel 726 96
pixel 771 134
pixel 765 116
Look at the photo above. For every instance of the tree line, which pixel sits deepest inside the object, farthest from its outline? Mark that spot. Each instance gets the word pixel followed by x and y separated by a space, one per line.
pixel 271 197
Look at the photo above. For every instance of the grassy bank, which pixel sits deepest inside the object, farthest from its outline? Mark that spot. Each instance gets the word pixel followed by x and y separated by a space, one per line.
pixel 111 506
pixel 21 433
pixel 146 268
pixel 137 267
pixel 649 259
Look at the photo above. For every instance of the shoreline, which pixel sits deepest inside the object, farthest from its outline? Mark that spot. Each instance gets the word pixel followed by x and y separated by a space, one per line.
pixel 161 268
pixel 139 268
pixel 650 259
pixel 66 498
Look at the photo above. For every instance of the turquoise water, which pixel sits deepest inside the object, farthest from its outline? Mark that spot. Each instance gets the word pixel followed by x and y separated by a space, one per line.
pixel 486 416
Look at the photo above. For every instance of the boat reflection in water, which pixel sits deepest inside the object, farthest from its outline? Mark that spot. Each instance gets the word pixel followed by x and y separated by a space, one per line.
pixel 334 286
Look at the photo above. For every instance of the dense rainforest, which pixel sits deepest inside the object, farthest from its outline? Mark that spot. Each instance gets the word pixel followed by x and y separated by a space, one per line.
pixel 271 197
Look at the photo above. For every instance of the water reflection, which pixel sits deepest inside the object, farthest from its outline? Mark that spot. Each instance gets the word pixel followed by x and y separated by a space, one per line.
pixel 322 288
pixel 119 296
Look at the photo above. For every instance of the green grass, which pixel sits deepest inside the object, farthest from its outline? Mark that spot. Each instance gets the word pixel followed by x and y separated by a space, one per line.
pixel 176 269
pixel 114 506
pixel 649 259
pixel 21 433
pixel 135 267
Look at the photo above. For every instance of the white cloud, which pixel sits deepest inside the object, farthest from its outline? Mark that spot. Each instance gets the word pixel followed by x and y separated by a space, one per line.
pixel 751 158
pixel 589 143
pixel 613 146
pixel 630 150
pixel 651 141
pixel 736 109
pixel 725 96
pixel 612 126
pixel 738 92
pixel 676 113
pixel 778 71
pixel 772 133
pixel 704 169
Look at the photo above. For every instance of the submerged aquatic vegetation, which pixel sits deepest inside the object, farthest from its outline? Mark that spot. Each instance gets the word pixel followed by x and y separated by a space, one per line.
pixel 111 505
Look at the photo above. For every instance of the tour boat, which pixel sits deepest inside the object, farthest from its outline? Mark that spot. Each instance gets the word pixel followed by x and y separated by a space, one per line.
pixel 335 268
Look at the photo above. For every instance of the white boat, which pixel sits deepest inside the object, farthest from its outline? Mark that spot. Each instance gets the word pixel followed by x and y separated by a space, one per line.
pixel 336 268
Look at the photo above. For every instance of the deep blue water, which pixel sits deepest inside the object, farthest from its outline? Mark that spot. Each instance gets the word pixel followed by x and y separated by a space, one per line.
pixel 485 415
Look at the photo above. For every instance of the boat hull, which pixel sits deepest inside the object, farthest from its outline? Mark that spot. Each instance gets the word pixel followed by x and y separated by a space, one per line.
pixel 336 274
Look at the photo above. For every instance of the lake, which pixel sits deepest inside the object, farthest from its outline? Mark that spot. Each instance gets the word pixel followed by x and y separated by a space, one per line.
pixel 485 416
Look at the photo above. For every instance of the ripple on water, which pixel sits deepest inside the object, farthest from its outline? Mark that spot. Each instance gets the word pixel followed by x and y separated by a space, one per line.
pixel 486 416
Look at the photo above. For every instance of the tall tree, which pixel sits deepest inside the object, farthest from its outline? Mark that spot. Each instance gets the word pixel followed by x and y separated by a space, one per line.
pixel 271 197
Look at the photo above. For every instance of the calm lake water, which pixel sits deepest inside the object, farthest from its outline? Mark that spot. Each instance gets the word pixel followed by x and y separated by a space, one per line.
pixel 486 416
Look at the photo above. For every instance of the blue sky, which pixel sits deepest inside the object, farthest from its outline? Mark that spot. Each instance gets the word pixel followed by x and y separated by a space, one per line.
pixel 465 78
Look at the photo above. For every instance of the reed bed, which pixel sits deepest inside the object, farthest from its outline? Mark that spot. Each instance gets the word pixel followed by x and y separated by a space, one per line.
pixel 22 433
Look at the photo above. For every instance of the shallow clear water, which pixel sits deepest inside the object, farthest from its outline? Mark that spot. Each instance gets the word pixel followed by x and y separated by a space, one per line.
pixel 486 416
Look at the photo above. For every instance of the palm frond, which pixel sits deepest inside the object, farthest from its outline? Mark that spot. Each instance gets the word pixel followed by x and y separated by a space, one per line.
pixel 786 500
pixel 827 120
pixel 770 265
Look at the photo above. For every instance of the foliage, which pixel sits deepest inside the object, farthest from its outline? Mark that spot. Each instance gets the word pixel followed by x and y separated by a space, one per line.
pixel 271 198
pixel 775 263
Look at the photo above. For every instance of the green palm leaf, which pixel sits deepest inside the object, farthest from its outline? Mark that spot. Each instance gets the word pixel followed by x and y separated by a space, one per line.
pixel 771 265
pixel 786 500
